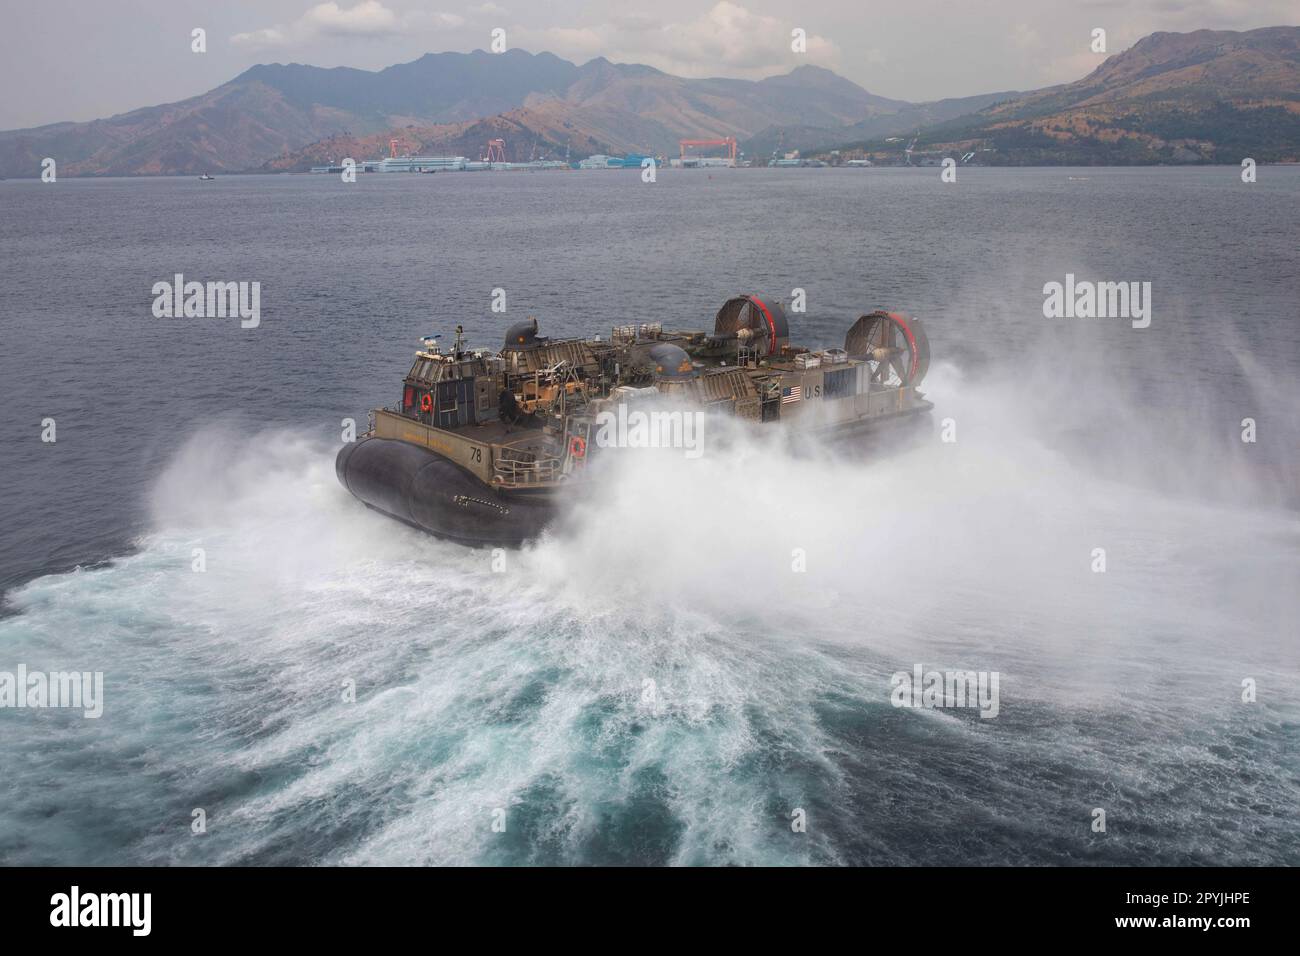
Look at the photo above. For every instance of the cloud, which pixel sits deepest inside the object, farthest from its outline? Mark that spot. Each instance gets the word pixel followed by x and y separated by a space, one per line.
pixel 578 42
pixel 1067 69
pixel 422 19
pixel 368 19
pixel 264 39
pixel 728 39
pixel 1025 37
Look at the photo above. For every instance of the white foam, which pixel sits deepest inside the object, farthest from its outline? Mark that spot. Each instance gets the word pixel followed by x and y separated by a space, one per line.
pixel 479 690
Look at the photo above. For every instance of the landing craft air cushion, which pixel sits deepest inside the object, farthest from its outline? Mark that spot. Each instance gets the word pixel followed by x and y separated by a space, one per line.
pixel 484 447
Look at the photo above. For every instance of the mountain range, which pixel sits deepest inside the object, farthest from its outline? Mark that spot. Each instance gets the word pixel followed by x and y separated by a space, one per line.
pixel 1196 97
pixel 1208 96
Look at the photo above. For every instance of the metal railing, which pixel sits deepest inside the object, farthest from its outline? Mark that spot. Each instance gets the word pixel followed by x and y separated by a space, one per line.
pixel 519 471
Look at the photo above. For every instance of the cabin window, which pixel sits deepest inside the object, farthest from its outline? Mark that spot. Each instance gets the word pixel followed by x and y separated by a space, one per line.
pixel 408 398
pixel 839 383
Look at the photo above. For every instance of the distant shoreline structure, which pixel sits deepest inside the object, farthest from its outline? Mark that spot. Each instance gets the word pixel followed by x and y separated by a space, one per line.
pixel 1180 99
pixel 693 171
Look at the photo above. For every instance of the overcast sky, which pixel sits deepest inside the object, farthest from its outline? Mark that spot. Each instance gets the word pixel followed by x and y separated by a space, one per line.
pixel 82 59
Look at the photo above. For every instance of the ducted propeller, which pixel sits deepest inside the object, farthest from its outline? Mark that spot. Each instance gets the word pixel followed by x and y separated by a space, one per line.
pixel 894 344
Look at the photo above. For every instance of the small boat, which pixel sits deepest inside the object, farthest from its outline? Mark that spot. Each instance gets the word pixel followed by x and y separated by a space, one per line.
pixel 205 178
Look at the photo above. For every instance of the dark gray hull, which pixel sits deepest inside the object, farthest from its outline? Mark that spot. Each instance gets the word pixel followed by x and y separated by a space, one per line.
pixel 426 491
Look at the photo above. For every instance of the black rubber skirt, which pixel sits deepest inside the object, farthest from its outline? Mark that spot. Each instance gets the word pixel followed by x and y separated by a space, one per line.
pixel 423 489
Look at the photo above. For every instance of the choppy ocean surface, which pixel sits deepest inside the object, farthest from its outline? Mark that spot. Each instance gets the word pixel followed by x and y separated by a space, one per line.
pixel 520 697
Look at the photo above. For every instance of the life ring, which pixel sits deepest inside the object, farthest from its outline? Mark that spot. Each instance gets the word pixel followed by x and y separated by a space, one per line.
pixel 578 447
pixel 426 402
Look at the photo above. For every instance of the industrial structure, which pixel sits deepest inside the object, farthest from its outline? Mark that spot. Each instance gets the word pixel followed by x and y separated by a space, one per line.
pixel 729 160
pixel 601 161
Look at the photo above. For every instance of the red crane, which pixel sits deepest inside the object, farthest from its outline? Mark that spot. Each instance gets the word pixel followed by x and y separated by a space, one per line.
pixel 729 142
pixel 496 151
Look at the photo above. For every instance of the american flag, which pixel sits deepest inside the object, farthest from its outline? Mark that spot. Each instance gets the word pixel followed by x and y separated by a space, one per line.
pixel 792 394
